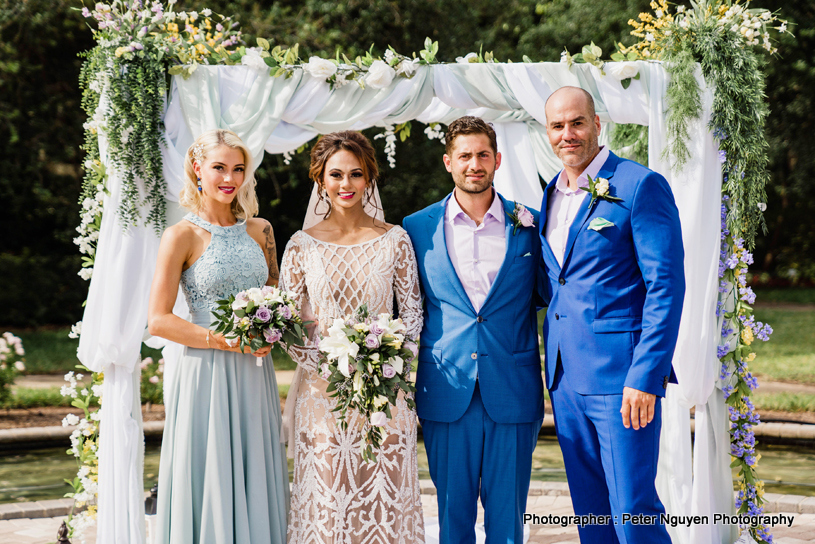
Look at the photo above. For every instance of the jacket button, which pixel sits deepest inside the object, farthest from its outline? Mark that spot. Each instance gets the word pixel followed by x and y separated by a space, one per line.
pixel 479 319
pixel 557 316
pixel 474 356
pixel 562 281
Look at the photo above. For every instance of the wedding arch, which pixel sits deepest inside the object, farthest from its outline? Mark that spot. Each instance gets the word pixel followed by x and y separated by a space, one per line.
pixel 276 103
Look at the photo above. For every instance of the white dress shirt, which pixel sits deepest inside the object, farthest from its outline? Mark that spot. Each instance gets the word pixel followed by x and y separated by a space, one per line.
pixel 565 203
pixel 476 251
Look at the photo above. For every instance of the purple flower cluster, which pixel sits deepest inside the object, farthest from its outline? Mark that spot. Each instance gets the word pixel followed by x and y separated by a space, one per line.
pixel 762 331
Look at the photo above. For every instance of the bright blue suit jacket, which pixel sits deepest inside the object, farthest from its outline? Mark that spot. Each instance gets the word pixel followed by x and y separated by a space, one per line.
pixel 498 344
pixel 615 305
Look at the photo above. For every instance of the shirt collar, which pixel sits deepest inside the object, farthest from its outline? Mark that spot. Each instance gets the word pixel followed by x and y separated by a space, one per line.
pixel 495 211
pixel 592 170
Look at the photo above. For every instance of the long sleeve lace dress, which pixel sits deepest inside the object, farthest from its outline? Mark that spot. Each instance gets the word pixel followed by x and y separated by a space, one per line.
pixel 336 497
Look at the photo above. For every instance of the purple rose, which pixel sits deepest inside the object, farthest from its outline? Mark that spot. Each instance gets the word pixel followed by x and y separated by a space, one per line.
pixel 263 314
pixel 371 341
pixel 272 335
pixel 284 311
pixel 525 216
pixel 376 329
pixel 388 371
pixel 325 371
pixel 413 348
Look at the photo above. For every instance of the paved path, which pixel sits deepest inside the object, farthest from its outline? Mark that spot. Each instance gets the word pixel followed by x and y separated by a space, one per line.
pixel 44 530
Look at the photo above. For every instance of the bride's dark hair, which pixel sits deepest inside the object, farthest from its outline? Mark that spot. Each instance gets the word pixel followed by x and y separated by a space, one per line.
pixel 348 140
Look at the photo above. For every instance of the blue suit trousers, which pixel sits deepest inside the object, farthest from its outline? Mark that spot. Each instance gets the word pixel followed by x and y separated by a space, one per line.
pixel 475 456
pixel 611 469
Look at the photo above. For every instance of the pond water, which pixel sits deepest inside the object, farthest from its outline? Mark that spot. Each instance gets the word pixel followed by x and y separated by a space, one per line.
pixel 40 474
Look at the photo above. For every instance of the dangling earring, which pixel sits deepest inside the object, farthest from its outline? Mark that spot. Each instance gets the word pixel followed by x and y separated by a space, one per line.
pixel 199 185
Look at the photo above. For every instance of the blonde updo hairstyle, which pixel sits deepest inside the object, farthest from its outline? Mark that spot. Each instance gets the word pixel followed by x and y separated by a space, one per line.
pixel 245 204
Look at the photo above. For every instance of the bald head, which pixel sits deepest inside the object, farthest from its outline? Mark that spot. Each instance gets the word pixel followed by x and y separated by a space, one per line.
pixel 574 96
pixel 573 129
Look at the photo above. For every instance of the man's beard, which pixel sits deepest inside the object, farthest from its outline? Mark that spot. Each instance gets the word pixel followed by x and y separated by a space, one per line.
pixel 475 188
pixel 588 147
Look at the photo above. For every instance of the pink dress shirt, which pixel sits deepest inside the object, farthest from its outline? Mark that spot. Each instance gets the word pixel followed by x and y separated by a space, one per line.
pixel 476 251
pixel 565 203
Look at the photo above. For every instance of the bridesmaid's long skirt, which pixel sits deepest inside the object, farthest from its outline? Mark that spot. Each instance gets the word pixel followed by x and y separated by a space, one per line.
pixel 223 477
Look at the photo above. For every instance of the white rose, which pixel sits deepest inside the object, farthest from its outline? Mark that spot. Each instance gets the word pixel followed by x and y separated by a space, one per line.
pixel 253 60
pixel 601 186
pixel 466 58
pixel 380 75
pixel 320 68
pixel 407 67
pixel 255 295
pixel 622 70
pixel 19 365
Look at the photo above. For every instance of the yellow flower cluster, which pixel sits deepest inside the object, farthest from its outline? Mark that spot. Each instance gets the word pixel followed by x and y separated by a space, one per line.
pixel 650 29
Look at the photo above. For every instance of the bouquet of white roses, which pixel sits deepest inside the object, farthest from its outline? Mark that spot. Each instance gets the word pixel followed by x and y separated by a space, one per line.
pixel 259 317
pixel 367 363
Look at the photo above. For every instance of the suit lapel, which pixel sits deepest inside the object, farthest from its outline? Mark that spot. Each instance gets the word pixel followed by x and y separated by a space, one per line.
pixel 441 257
pixel 511 249
pixel 585 211
pixel 546 249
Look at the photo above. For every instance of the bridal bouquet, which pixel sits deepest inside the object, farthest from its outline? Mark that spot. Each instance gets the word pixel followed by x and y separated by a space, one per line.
pixel 367 362
pixel 259 317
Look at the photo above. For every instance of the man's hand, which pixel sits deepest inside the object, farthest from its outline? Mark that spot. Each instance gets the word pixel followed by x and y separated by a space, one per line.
pixel 638 408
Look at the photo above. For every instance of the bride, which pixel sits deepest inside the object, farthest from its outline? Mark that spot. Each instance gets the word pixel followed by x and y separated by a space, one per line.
pixel 347 259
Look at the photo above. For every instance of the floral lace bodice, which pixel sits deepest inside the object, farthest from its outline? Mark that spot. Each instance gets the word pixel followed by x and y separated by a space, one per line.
pixel 334 280
pixel 233 261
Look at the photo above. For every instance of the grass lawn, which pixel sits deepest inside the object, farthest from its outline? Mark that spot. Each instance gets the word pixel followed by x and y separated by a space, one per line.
pixel 790 353
pixel 789 295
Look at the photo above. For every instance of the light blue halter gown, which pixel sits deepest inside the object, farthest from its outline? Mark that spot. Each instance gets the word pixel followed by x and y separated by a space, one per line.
pixel 223 477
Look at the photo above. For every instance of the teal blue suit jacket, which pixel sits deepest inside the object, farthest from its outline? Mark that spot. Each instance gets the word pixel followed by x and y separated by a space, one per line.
pixel 616 302
pixel 498 344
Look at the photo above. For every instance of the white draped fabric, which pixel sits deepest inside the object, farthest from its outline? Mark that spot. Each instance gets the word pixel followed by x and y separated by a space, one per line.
pixel 277 115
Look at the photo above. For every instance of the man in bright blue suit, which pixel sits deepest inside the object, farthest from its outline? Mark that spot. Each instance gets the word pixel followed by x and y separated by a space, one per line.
pixel 479 392
pixel 613 256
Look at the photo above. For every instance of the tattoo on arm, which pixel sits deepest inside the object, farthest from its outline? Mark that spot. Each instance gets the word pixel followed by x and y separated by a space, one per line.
pixel 271 254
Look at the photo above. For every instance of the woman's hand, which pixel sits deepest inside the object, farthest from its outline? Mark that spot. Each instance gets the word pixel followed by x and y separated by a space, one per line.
pixel 218 341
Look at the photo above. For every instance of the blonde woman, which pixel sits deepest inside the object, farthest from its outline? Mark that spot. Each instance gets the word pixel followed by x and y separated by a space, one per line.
pixel 223 477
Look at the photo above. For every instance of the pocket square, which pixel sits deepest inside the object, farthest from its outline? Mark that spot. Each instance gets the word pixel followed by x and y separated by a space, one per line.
pixel 599 224
pixel 527 255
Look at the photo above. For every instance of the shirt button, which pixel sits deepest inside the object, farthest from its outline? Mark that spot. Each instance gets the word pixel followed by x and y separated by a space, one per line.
pixel 562 281
pixel 474 356
pixel 557 316
pixel 479 319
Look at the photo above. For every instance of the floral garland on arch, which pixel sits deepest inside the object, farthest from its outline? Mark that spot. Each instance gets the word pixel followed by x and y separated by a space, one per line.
pixel 719 35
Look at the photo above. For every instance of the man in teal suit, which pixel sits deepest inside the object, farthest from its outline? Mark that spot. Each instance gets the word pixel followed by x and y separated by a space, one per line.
pixel 612 250
pixel 479 392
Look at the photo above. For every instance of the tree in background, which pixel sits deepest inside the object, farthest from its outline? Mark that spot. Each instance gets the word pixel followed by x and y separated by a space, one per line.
pixel 41 119
pixel 40 130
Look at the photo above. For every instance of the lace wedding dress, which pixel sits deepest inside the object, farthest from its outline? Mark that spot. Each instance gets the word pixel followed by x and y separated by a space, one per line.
pixel 336 497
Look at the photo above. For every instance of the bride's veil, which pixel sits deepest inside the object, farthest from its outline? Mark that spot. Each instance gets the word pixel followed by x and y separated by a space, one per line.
pixel 315 212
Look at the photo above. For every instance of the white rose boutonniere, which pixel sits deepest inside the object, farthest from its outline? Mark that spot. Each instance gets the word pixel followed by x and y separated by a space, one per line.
pixel 380 75
pixel 521 217
pixel 599 188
